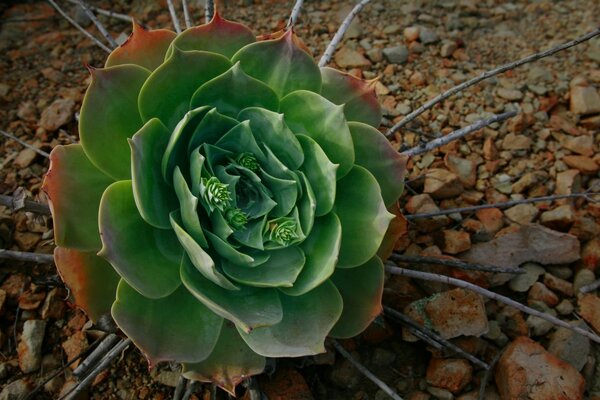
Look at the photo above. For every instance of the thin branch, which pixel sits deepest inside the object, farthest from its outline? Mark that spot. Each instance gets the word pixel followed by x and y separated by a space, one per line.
pixel 590 287
pixel 106 13
pixel 337 38
pixel 586 195
pixel 295 12
pixel 487 376
pixel 29 205
pixel 79 27
pixel 99 352
pixel 488 74
pixel 209 10
pixel 457 134
pixel 180 388
pixel 25 144
pixel 406 320
pixel 101 28
pixel 495 296
pixel 26 256
pixel 382 385
pixel 174 17
pixel 186 14
pixel 404 258
pixel 108 359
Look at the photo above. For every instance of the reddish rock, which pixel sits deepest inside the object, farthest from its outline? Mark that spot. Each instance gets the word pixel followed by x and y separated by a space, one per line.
pixel 441 184
pixel 14 285
pixel 30 345
pixel 585 228
pixel 522 214
pixel 54 305
pixel 589 309
pixel 585 165
pixel 453 242
pixel 583 145
pixel 584 100
pixel 463 168
pixel 568 182
pixel 513 323
pixel 411 33
pixel 490 152
pixel 516 142
pixel 348 58
pixel 560 285
pixel 25 158
pixel 452 374
pixel 560 219
pixel 590 254
pixel 423 203
pixel 74 345
pixel 57 114
pixel 539 292
pixel 31 299
pixel 527 371
pixel 491 218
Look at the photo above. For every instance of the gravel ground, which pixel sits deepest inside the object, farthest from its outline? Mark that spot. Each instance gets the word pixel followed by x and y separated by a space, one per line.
pixel 416 49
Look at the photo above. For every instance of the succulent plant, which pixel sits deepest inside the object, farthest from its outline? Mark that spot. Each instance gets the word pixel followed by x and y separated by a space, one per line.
pixel 227 201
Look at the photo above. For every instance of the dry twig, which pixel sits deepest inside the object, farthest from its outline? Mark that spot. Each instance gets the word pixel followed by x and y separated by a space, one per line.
pixel 295 12
pixel 25 144
pixel 79 27
pixel 106 13
pixel 101 28
pixel 209 10
pixel 489 294
pixel 457 134
pixel 404 258
pixel 363 370
pixel 26 256
pixel 174 16
pixel 337 38
pixel 487 375
pixel 186 14
pixel 488 74
pixel 29 205
pixel 95 356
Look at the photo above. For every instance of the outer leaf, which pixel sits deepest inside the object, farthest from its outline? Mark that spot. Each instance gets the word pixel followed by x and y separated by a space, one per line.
pixel 320 173
pixel 109 115
pixel 74 187
pixel 212 127
pixel 175 328
pixel 167 92
pixel 398 228
pixel 249 308
pixel 144 48
pixel 233 91
pixel 91 280
pixel 356 95
pixel 361 289
pixel 198 257
pixel 229 364
pixel 218 36
pixel 281 64
pixel 153 196
pixel 153 271
pixel 374 152
pixel 321 249
pixel 309 114
pixel 269 128
pixel 363 216
pixel 281 270
pixel 307 320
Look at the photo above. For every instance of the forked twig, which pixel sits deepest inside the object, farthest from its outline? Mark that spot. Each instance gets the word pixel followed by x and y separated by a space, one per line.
pixel 488 74
pixel 382 385
pixel 457 134
pixel 406 320
pixel 101 28
pixel 79 27
pixel 337 38
pixel 29 205
pixel 186 14
pixel 295 12
pixel 174 16
pixel 26 256
pixel 106 13
pixel 25 144
pixel 95 356
pixel 585 195
pixel 404 258
pixel 489 294
pixel 487 376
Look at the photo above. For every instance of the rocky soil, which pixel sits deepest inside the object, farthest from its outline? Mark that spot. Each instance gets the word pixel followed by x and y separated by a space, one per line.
pixel 417 49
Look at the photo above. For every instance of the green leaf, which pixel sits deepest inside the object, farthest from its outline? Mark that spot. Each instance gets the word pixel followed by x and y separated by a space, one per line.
pixel 176 152
pixel 154 271
pixel 144 48
pixel 321 248
pixel 167 92
pixel 281 269
pixel 374 152
pixel 306 205
pixel 230 253
pixel 285 194
pixel 310 114
pixel 198 257
pixel 196 166
pixel 252 234
pixel 321 174
pixel 361 289
pixel 218 36
pixel 270 129
pixel 249 307
pixel 307 320
pixel 233 91
pixel 229 364
pixel 356 95
pixel 212 127
pixel 175 328
pixel 281 64
pixel 363 215
pixel 153 196
pixel 74 186
pixel 91 280
pixel 241 140
pixel 109 115
pixel 188 209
